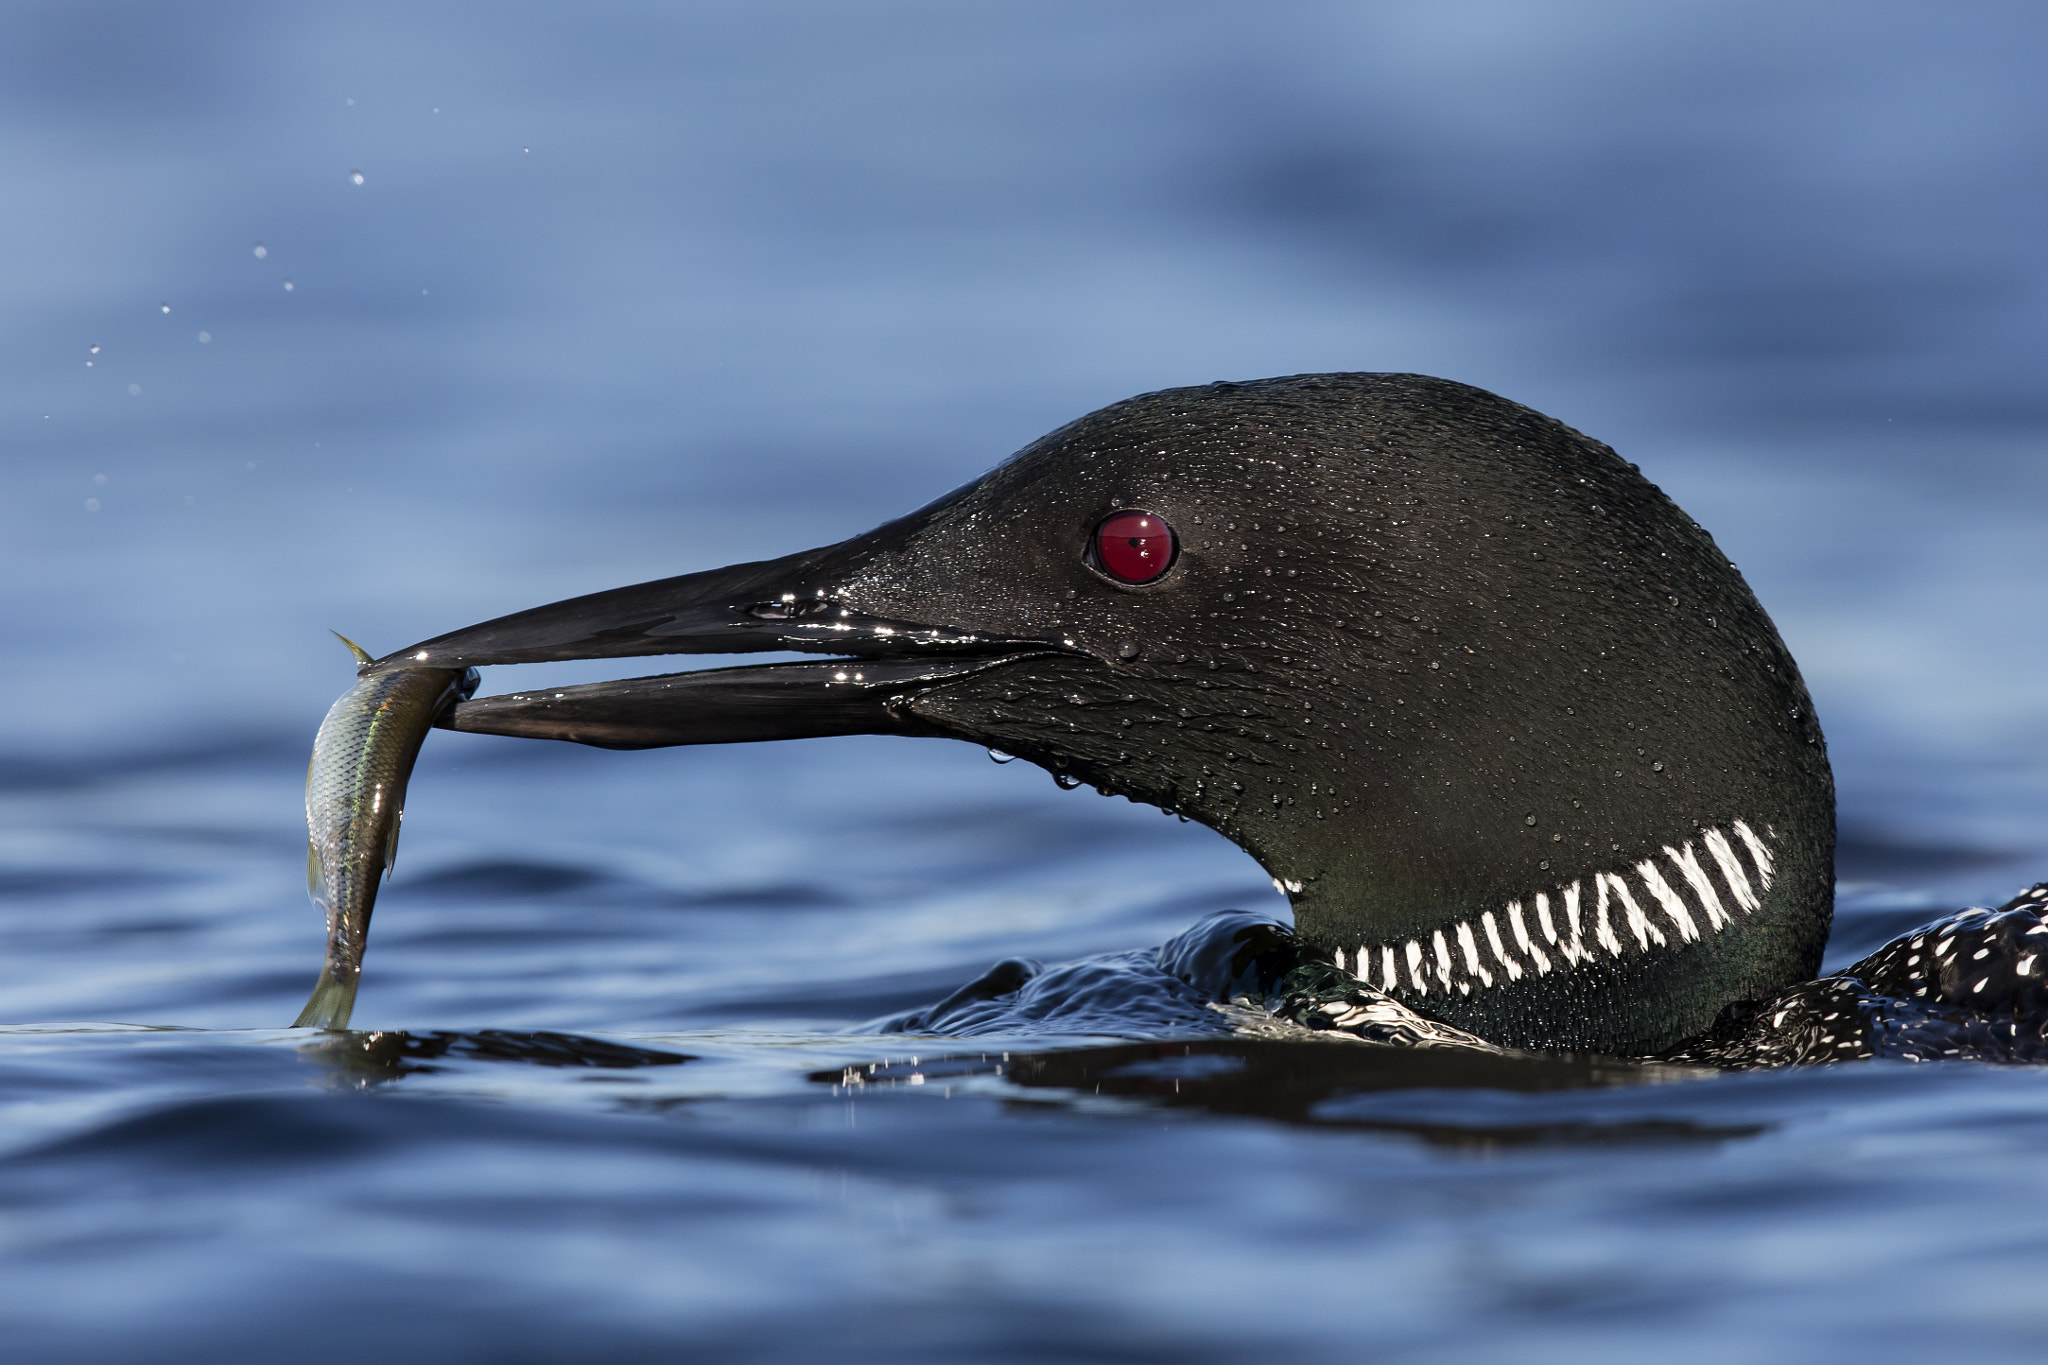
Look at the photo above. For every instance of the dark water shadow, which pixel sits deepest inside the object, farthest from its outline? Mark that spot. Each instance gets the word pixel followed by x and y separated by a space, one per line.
pixel 1866 853
pixel 499 879
pixel 1332 1085
pixel 362 1059
pixel 254 750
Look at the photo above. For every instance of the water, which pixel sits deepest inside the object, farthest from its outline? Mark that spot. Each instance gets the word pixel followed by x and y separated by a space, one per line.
pixel 636 291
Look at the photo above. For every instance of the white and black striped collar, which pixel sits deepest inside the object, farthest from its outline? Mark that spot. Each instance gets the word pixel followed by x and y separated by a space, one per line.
pixel 1695 890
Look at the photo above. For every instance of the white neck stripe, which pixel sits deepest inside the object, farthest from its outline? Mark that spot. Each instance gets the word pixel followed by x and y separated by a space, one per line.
pixel 1477 955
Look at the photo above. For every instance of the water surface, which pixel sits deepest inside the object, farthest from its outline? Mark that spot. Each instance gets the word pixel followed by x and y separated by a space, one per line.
pixel 629 291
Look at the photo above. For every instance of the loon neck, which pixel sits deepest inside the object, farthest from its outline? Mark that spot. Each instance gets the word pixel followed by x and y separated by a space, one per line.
pixel 1632 958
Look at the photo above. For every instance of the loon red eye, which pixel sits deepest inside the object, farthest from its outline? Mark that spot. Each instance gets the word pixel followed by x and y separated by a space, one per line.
pixel 1134 547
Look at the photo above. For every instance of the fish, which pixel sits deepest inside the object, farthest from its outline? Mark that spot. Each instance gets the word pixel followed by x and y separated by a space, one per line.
pixel 355 802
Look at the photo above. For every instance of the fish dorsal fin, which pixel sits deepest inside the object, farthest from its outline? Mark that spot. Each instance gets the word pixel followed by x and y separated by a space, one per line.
pixel 363 659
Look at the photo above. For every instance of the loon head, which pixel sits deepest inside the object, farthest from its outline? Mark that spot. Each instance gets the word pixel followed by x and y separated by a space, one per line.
pixel 1512 734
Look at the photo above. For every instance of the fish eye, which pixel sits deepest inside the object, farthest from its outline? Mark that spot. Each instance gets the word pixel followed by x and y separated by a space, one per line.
pixel 1133 546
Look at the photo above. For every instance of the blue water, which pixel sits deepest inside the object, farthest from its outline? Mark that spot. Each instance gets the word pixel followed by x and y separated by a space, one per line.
pixel 626 291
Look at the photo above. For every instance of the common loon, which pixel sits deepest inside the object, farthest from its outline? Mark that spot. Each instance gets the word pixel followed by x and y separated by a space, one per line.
pixel 1513 735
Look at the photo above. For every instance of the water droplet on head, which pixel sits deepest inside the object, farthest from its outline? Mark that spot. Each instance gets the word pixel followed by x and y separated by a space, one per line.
pixel 1066 781
pixel 998 756
pixel 355 177
pixel 1528 819
pixel 1127 651
pixel 1656 767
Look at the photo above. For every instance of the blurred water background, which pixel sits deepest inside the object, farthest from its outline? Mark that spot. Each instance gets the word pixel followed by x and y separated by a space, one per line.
pixel 390 318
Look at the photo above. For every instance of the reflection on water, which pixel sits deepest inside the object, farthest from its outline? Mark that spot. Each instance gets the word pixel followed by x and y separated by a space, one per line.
pixel 364 1059
pixel 1321 1083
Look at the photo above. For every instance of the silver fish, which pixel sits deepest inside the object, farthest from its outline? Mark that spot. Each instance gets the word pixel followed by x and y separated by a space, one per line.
pixel 355 799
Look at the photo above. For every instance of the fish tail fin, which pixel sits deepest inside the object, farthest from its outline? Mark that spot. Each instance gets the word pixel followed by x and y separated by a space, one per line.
pixel 330 1005
pixel 363 659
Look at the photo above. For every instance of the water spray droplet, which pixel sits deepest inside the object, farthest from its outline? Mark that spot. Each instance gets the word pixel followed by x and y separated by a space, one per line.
pixel 356 177
pixel 261 251
pixel 167 309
